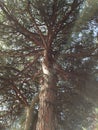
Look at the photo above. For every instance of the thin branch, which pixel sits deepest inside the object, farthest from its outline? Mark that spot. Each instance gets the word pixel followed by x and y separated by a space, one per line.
pixel 61 72
pixel 30 64
pixel 35 24
pixel 88 53
pixel 19 94
pixel 34 100
pixel 60 23
pixel 20 28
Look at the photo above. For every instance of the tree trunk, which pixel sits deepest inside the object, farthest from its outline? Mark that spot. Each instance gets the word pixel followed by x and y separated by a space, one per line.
pixel 28 119
pixel 31 119
pixel 47 97
pixel 31 115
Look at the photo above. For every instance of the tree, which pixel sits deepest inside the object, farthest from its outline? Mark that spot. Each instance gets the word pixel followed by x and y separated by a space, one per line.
pixel 35 32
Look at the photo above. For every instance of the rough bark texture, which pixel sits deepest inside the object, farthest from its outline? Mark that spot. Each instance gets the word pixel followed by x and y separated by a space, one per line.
pixel 47 97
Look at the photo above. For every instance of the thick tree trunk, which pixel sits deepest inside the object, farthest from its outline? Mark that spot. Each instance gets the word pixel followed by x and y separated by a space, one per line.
pixel 47 97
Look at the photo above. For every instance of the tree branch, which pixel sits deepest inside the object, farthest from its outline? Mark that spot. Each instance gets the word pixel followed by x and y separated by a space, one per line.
pixel 35 24
pixel 88 53
pixel 19 94
pixel 20 28
pixel 60 23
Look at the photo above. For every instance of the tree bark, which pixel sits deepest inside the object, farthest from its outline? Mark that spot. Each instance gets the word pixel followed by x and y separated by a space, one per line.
pixel 28 119
pixel 31 115
pixel 47 97
pixel 31 119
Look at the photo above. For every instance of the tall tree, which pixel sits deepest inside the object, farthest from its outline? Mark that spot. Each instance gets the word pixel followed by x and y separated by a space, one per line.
pixel 35 32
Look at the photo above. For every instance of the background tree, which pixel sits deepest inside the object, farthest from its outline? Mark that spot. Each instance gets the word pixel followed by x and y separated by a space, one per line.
pixel 37 57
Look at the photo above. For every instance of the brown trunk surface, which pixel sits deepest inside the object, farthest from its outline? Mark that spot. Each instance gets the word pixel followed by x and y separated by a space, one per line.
pixel 31 118
pixel 47 97
pixel 28 119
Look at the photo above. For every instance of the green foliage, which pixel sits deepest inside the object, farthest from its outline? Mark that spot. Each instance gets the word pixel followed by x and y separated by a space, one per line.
pixel 72 47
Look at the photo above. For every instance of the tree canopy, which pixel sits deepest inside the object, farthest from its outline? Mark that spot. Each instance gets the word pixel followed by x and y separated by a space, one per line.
pixel 67 31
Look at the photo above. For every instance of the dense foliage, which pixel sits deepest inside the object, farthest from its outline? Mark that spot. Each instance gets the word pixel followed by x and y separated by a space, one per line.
pixel 27 28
